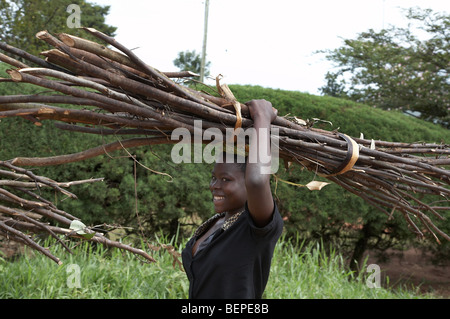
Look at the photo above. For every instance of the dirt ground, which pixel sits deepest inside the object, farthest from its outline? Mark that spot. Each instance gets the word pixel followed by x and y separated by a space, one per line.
pixel 414 269
pixel 9 249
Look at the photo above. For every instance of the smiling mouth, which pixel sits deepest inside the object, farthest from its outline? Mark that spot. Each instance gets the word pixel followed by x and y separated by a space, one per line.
pixel 217 198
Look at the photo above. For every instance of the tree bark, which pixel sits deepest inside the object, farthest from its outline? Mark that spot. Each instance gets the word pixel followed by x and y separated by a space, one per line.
pixel 360 248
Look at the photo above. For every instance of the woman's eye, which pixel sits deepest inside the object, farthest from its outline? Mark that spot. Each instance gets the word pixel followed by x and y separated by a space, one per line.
pixel 223 179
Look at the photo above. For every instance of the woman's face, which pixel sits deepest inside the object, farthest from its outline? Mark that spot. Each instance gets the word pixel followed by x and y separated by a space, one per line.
pixel 228 188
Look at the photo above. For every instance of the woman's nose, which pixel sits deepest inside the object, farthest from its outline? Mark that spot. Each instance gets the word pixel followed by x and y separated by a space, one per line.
pixel 215 184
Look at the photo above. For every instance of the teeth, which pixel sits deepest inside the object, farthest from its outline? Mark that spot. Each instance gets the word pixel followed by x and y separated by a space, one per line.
pixel 218 197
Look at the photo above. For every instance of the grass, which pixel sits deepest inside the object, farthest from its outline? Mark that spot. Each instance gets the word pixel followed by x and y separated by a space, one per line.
pixel 104 274
pixel 311 273
pixel 297 272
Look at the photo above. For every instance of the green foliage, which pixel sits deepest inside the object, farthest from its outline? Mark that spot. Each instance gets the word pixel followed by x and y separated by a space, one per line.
pixel 191 61
pixel 297 273
pixel 334 87
pixel 395 69
pixel 22 19
pixel 313 272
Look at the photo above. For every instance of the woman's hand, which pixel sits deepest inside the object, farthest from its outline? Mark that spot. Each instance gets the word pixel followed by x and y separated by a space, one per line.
pixel 262 110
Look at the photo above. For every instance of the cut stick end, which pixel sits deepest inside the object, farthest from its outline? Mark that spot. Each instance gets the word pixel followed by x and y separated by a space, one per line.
pixel 42 34
pixel 15 75
pixel 54 52
pixel 66 39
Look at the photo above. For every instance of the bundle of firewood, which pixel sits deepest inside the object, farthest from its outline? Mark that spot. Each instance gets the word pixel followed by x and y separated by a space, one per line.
pixel 111 91
pixel 24 210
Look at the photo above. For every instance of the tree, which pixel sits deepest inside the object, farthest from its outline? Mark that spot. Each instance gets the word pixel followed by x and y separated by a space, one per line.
pixel 395 69
pixel 333 87
pixel 22 19
pixel 191 61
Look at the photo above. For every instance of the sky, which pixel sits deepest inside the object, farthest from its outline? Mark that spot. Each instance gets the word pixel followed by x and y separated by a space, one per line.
pixel 258 42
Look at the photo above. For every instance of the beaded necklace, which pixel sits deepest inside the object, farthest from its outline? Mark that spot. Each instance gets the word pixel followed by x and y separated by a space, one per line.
pixel 227 224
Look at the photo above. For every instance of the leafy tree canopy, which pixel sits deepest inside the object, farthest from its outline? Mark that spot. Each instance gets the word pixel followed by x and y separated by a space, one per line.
pixel 22 19
pixel 396 68
pixel 191 61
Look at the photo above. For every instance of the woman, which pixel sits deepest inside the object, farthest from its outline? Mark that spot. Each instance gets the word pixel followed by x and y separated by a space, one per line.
pixel 229 256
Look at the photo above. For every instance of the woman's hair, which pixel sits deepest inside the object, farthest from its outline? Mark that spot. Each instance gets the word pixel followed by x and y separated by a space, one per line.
pixel 239 160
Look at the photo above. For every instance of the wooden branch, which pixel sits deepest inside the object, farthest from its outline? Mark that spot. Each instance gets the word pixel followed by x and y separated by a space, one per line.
pixel 148 69
pixel 42 180
pixel 24 215
pixel 90 153
pixel 181 74
pixel 29 57
pixel 9 231
pixel 98 238
pixel 11 61
pixel 118 131
pixel 109 104
pixel 20 184
pixel 43 112
pixel 95 48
